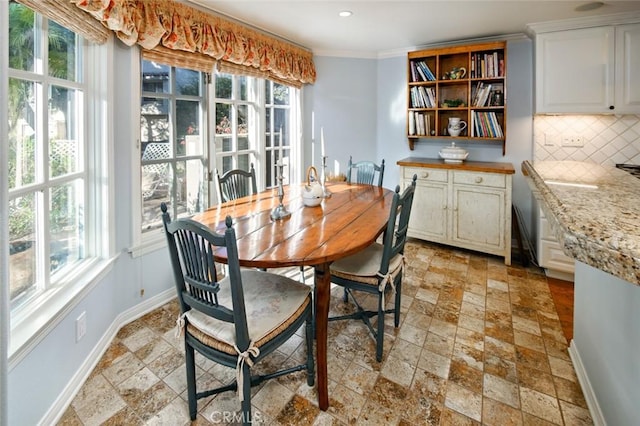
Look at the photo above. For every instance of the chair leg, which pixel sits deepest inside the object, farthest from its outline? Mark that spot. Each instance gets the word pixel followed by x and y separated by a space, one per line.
pixel 380 336
pixel 191 380
pixel 396 313
pixel 246 392
pixel 345 296
pixel 309 335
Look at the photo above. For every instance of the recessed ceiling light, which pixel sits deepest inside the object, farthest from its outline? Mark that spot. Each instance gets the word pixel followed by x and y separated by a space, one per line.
pixel 589 6
pixel 345 13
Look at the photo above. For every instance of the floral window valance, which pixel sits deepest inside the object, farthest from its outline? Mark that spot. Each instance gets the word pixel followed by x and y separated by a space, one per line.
pixel 150 23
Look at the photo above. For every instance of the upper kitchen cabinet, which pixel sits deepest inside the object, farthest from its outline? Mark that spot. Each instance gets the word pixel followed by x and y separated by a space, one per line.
pixel 591 70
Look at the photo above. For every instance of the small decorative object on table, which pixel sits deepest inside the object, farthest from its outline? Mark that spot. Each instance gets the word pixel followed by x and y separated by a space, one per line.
pixel 280 212
pixel 453 154
pixel 313 193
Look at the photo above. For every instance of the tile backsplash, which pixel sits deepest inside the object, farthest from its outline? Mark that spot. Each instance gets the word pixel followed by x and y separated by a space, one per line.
pixel 606 139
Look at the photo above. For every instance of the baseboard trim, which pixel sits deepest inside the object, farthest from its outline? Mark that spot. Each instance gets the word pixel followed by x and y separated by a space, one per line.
pixel 585 384
pixel 58 408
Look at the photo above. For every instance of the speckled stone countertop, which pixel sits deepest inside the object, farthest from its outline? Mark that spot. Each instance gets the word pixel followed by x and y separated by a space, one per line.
pixel 594 212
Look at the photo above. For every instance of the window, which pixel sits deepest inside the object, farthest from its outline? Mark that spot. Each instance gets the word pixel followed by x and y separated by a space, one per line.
pixel 252 120
pixel 52 142
pixel 277 133
pixel 172 142
pixel 236 122
pixel 254 129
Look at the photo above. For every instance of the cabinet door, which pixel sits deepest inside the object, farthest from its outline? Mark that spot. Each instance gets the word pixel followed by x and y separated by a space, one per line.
pixel 575 71
pixel 428 219
pixel 627 66
pixel 479 217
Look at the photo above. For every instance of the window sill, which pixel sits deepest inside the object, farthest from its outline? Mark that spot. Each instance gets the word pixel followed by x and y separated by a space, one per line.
pixel 152 242
pixel 33 323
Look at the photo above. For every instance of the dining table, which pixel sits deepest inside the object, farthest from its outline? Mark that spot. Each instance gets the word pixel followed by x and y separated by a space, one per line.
pixel 345 222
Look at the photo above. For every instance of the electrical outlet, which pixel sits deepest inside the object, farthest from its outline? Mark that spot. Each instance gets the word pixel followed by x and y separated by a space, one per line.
pixel 551 139
pixel 572 140
pixel 81 326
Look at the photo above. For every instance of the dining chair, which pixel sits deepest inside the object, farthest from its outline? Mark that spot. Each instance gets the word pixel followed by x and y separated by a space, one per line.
pixel 365 172
pixel 378 268
pixel 236 183
pixel 236 320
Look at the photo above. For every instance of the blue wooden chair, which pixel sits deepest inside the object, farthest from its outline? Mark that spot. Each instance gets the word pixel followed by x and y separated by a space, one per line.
pixel 237 320
pixel 236 183
pixel 365 172
pixel 378 268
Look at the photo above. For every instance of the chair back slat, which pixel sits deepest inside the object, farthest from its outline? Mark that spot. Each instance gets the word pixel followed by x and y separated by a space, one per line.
pixel 236 183
pixel 365 172
pixel 395 236
pixel 192 248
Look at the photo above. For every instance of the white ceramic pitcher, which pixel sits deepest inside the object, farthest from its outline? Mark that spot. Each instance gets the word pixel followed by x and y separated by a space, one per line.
pixel 456 126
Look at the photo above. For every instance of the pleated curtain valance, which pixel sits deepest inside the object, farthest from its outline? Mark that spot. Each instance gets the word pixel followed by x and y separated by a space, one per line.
pixel 176 26
pixel 66 14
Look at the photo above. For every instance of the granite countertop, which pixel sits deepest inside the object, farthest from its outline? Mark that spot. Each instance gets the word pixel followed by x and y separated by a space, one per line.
pixel 594 212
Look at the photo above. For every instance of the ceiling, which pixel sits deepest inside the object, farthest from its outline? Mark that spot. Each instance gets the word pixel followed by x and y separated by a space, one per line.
pixel 379 28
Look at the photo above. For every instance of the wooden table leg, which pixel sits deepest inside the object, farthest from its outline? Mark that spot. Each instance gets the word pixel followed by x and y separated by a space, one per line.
pixel 323 293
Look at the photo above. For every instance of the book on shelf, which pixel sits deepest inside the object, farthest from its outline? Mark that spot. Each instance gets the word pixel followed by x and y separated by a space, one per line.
pixel 486 125
pixel 419 124
pixel 426 71
pixel 481 95
pixel 412 124
pixel 414 72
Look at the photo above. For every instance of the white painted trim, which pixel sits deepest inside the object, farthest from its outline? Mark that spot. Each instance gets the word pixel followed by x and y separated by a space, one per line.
pixel 385 54
pixel 58 408
pixel 5 305
pixel 585 384
pixel 589 21
pixel 153 241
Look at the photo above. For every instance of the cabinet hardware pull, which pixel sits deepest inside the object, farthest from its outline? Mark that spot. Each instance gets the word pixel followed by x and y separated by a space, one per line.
pixel 425 175
pixel 612 107
pixel 478 179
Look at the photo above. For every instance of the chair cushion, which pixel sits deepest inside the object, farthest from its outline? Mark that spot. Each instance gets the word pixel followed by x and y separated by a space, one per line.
pixel 271 303
pixel 363 267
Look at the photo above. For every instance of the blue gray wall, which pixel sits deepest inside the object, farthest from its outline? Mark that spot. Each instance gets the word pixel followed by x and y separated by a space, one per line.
pixel 360 104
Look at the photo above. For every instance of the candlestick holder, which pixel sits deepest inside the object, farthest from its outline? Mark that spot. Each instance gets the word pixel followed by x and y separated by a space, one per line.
pixel 280 212
pixel 327 193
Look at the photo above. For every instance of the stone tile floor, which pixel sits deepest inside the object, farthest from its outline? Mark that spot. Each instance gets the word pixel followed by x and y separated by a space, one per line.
pixel 479 343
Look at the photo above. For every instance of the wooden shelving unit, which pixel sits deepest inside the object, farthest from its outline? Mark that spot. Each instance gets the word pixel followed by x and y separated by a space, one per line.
pixel 439 89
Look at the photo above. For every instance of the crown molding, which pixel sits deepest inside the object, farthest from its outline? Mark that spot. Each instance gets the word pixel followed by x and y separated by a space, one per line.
pixel 586 22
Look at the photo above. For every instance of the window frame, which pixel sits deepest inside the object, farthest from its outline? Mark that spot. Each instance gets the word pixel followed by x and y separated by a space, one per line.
pixel 148 242
pixel 33 319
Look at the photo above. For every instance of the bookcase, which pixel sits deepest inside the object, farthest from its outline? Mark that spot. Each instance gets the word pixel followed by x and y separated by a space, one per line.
pixel 466 82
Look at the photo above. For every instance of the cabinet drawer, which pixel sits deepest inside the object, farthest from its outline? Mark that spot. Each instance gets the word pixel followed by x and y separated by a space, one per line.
pixel 480 179
pixel 425 174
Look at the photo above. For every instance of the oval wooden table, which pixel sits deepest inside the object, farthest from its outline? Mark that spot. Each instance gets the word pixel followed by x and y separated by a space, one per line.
pixel 343 224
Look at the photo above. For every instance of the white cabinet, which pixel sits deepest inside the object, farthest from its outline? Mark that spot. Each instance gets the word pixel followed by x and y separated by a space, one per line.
pixel 550 254
pixel 463 208
pixel 628 63
pixel 588 70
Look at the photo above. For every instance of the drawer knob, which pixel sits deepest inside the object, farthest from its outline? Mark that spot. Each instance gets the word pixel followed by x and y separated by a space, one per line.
pixel 479 179
pixel 425 174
